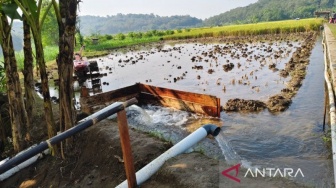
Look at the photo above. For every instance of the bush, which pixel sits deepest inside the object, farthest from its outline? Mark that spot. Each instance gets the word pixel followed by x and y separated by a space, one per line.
pixel 149 34
pixel 108 37
pixel 160 33
pixel 170 32
pixel 138 35
pixel 131 35
pixel 120 36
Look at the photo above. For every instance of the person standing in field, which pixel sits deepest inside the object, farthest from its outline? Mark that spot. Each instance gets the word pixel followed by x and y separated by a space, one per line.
pixel 78 55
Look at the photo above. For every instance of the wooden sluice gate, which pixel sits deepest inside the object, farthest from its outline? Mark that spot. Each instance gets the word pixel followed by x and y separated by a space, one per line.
pixel 147 94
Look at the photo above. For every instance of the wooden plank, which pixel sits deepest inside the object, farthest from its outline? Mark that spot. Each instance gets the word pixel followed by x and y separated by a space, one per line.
pixel 90 108
pixel 126 149
pixel 112 95
pixel 192 102
pixel 182 95
pixel 146 98
pixel 218 107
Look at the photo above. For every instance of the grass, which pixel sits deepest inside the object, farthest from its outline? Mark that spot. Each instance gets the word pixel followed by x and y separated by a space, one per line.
pixel 50 53
pixel 117 43
pixel 327 138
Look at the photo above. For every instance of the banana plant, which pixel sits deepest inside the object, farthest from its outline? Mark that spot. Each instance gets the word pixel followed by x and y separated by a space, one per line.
pixel 18 114
pixel 32 12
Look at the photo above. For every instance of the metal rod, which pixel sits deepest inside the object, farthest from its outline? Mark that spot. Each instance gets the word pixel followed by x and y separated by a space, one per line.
pixel 325 104
pixel 126 149
pixel 106 112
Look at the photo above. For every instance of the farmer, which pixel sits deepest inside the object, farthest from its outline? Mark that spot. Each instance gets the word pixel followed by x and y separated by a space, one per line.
pixel 79 63
pixel 80 66
pixel 78 55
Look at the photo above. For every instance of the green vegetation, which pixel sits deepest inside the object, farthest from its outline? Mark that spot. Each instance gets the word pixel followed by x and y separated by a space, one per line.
pixel 278 27
pixel 327 138
pixel 49 29
pixel 124 23
pixel 261 11
pixel 108 42
pixel 50 53
pixel 271 10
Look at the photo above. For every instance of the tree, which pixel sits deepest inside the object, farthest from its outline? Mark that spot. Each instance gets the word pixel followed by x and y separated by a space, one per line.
pixel 35 20
pixel 66 16
pixel 17 112
pixel 28 72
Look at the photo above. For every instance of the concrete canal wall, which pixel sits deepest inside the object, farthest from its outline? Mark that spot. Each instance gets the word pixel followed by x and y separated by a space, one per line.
pixel 330 63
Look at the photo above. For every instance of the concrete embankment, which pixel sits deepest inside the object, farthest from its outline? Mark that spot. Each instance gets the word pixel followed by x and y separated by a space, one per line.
pixel 330 74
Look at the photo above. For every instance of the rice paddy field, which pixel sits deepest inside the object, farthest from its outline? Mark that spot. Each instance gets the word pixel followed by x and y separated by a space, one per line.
pixel 278 27
pixel 253 62
pixel 103 47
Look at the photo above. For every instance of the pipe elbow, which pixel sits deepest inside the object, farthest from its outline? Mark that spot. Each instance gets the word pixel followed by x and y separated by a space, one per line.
pixel 212 129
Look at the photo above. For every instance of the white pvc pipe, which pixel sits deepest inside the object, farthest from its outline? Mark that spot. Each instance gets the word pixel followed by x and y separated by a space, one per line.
pixel 146 172
pixel 331 105
pixel 22 165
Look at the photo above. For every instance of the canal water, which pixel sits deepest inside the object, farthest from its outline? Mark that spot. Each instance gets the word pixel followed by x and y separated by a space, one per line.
pixel 291 139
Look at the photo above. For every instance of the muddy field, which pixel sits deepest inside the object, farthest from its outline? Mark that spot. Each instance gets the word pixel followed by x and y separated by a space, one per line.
pixel 246 73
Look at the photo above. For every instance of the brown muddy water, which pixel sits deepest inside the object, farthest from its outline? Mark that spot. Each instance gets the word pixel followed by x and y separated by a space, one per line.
pixel 290 139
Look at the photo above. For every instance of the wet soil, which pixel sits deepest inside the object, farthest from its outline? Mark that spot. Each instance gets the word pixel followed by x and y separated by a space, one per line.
pixel 296 68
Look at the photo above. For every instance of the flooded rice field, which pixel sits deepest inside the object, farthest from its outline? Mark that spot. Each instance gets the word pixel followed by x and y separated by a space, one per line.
pixel 231 70
pixel 250 70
